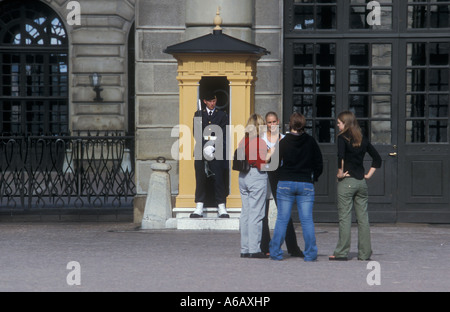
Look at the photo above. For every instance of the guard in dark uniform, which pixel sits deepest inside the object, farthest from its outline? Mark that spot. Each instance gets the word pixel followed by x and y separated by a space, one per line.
pixel 210 166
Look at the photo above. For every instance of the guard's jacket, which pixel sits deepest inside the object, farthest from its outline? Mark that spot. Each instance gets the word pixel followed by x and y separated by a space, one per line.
pixel 218 118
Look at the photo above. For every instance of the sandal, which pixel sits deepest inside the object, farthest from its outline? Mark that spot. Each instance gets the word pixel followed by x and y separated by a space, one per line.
pixel 334 258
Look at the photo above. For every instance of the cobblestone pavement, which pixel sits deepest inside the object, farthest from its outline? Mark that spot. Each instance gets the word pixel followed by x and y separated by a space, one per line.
pixel 118 256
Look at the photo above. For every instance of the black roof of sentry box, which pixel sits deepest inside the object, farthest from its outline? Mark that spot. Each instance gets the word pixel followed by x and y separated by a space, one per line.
pixel 216 43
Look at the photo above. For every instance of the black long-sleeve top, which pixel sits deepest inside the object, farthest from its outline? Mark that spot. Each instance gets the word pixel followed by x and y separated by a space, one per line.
pixel 300 158
pixel 354 156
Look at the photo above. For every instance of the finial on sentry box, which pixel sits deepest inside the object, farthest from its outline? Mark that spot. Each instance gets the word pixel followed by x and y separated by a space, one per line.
pixel 218 20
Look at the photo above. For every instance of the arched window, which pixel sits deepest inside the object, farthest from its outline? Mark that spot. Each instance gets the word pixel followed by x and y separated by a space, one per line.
pixel 33 69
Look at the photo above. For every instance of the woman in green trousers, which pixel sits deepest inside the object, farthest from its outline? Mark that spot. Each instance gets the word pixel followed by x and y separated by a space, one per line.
pixel 352 187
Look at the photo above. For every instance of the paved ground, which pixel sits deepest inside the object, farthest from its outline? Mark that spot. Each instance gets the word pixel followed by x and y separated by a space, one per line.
pixel 117 256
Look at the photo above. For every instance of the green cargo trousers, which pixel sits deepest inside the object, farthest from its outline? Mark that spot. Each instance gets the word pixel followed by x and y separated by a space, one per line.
pixel 352 192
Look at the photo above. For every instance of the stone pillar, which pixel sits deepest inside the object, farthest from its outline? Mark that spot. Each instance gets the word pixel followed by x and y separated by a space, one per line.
pixel 158 24
pixel 158 206
pixel 268 32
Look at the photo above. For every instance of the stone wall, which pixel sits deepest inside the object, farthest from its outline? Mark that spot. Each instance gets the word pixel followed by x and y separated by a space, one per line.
pixel 158 24
pixel 268 32
pixel 98 44
pixel 163 23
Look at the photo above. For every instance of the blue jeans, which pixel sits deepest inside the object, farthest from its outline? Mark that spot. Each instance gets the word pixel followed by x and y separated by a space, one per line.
pixel 302 193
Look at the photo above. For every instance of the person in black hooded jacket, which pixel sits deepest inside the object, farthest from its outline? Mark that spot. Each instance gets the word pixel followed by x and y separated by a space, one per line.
pixel 301 164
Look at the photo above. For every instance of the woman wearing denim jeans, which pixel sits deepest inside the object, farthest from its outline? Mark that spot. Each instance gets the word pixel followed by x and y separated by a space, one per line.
pixel 301 165
pixel 272 138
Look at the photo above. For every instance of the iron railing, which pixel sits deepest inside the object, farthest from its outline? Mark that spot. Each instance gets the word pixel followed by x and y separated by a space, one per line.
pixel 63 173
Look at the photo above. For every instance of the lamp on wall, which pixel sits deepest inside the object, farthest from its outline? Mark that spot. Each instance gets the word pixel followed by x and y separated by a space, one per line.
pixel 96 80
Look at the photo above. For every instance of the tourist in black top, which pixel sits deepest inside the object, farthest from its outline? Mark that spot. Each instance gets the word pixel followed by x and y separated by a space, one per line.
pixel 301 166
pixel 272 138
pixel 352 187
pixel 354 156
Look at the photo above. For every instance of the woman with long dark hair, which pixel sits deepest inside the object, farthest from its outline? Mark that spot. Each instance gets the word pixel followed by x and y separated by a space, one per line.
pixel 352 187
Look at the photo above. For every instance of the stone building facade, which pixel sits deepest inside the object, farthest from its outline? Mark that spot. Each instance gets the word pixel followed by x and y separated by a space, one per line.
pixel 157 90
pixel 123 41
pixel 318 51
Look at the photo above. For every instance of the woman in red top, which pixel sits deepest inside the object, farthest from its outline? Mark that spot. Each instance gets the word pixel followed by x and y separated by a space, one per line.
pixel 253 189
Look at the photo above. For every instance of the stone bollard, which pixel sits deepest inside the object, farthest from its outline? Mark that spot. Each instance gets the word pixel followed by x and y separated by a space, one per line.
pixel 158 206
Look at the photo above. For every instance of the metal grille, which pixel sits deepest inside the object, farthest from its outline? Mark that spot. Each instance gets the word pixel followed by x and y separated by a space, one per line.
pixel 33 68
pixel 64 173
